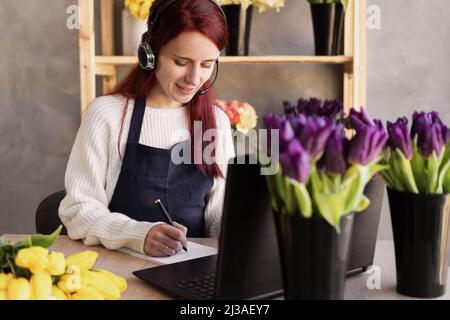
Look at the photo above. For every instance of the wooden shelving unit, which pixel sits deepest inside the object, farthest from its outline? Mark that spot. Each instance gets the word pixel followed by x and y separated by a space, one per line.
pixel 354 58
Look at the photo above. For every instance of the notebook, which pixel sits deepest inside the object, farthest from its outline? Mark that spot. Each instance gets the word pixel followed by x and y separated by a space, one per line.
pixel 195 250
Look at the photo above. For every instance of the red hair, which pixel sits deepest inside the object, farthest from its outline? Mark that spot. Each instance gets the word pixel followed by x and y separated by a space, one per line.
pixel 187 15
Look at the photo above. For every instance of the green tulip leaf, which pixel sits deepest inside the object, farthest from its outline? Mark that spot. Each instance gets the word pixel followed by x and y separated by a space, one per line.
pixel 444 170
pixel 433 164
pixel 419 169
pixel 396 174
pixel 387 176
pixel 3 242
pixel 289 196
pixel 354 184
pixel 279 183
pixel 405 172
pixel 316 181
pixel 331 207
pixel 363 204
pixel 41 240
pixel 446 182
pixel 302 198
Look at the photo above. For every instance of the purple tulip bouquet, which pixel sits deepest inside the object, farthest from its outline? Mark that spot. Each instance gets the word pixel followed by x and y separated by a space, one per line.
pixel 321 172
pixel 418 158
pixel 418 179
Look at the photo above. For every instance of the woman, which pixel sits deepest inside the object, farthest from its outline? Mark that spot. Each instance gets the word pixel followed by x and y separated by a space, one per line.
pixel 122 158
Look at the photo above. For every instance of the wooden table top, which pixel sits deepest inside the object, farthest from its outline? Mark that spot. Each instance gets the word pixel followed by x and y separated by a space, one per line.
pixel 116 262
pixel 358 287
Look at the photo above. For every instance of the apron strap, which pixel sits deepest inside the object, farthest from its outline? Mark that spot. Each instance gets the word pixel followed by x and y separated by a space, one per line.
pixel 136 119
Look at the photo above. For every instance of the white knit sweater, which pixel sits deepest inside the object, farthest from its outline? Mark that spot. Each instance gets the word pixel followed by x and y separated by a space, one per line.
pixel 94 167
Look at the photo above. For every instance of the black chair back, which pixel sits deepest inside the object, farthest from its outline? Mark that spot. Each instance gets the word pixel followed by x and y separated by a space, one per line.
pixel 47 218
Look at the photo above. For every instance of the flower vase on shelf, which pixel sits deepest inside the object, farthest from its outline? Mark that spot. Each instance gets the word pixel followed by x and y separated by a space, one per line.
pixel 328 22
pixel 239 22
pixel 132 31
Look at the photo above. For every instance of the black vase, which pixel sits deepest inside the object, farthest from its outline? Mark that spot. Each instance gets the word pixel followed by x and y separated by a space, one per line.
pixel 313 255
pixel 365 227
pixel 328 24
pixel 239 29
pixel 420 223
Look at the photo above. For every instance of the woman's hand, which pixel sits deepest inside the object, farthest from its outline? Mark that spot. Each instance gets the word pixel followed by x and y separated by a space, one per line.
pixel 164 240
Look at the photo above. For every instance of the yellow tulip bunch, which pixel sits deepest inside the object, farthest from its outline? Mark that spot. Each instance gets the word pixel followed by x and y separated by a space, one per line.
pixel 139 8
pixel 28 271
pixel 55 277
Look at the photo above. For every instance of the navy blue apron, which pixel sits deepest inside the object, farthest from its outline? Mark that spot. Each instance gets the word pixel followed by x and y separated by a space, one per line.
pixel 148 173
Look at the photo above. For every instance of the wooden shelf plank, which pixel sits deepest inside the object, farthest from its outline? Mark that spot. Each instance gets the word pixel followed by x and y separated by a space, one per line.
pixel 128 60
pixel 87 51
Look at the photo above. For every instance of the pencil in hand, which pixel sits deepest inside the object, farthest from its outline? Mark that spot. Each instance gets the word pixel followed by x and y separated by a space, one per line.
pixel 163 210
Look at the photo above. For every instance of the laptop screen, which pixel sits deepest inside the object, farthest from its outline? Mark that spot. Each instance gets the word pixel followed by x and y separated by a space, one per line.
pixel 248 262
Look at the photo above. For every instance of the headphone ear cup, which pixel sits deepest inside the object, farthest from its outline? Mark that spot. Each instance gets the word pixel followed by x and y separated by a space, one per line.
pixel 146 57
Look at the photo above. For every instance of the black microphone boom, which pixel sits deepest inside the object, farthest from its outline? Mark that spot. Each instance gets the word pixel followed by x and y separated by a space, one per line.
pixel 202 92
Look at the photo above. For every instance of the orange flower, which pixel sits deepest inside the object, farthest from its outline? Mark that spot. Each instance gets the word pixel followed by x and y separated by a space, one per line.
pixel 232 110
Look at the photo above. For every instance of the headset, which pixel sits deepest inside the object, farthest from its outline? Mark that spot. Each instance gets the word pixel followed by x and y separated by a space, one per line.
pixel 147 59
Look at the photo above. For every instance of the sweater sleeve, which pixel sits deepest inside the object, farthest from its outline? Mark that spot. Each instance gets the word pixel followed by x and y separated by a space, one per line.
pixel 84 210
pixel 215 198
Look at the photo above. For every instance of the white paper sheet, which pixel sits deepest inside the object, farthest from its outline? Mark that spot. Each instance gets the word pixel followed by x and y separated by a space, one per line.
pixel 195 251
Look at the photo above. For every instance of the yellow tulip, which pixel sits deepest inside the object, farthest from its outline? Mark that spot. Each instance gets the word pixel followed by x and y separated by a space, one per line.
pixel 85 259
pixel 69 283
pixel 35 259
pixel 3 295
pixel 4 279
pixel 102 283
pixel 73 269
pixel 56 263
pixel 19 289
pixel 120 281
pixel 87 293
pixel 58 293
pixel 41 285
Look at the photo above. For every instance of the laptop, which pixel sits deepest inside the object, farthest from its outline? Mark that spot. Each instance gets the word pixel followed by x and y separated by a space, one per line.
pixel 247 265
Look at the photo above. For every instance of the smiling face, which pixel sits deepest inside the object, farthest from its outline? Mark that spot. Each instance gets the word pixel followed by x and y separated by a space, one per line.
pixel 184 65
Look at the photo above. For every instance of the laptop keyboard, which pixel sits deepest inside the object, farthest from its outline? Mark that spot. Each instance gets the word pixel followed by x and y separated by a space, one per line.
pixel 202 287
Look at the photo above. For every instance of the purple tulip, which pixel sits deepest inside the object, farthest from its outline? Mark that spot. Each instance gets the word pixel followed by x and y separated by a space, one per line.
pixel 332 109
pixel 272 122
pixel 358 119
pixel 312 108
pixel 367 144
pixel 301 105
pixel 430 131
pixel 334 156
pixel 295 162
pixel 287 134
pixel 421 119
pixel 288 108
pixel 399 137
pixel 430 138
pixel 313 133
pixel 298 121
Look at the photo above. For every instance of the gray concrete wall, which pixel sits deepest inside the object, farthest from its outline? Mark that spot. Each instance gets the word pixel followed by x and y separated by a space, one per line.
pixel 408 65
pixel 39 87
